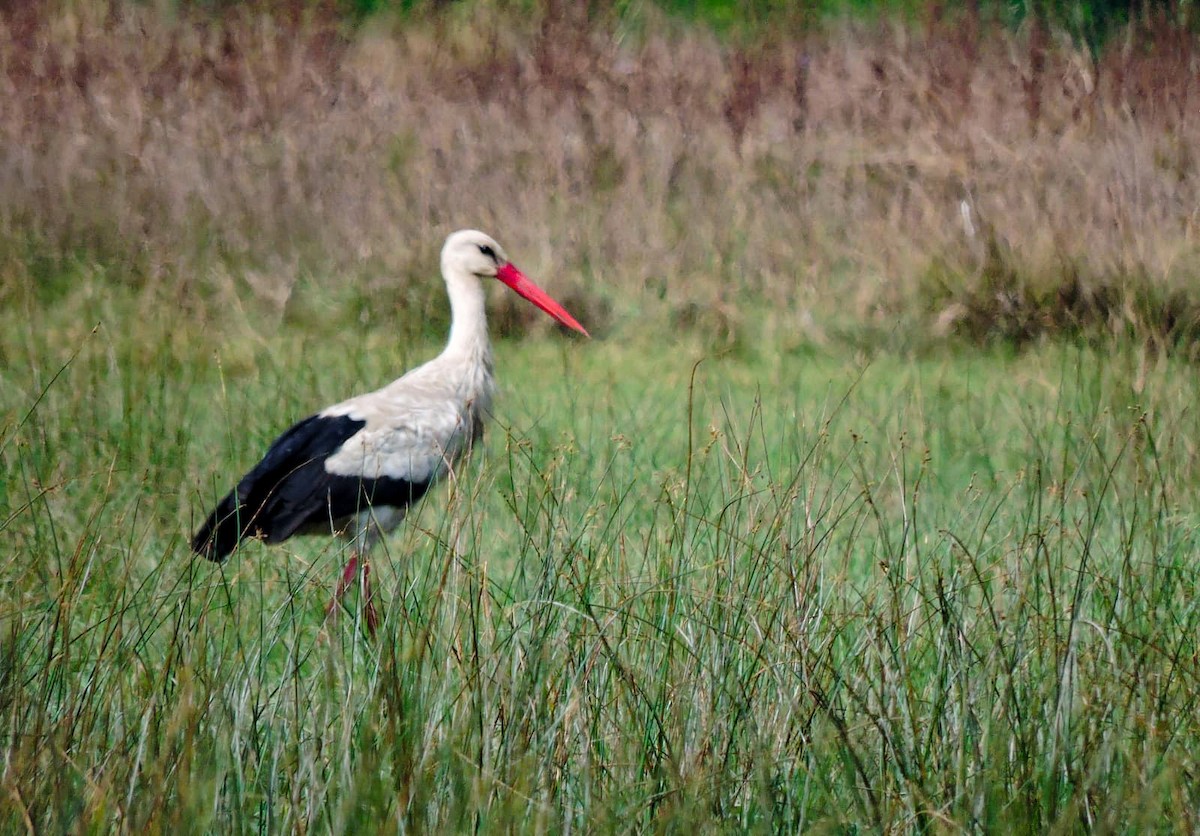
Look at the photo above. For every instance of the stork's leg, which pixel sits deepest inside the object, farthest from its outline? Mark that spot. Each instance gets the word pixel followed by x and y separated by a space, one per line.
pixel 368 594
pixel 349 577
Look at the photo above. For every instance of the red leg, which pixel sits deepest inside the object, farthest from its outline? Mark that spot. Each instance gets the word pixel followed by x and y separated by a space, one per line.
pixel 369 613
pixel 348 576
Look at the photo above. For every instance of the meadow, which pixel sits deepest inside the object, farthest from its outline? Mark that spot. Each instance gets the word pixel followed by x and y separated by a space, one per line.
pixel 766 591
pixel 863 511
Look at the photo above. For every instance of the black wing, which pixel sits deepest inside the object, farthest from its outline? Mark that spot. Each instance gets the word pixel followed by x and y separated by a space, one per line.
pixel 273 499
pixel 290 491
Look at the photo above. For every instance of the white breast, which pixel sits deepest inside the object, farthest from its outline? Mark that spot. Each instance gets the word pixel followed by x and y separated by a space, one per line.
pixel 418 427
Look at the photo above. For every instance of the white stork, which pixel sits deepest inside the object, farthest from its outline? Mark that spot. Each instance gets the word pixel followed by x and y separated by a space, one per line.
pixel 354 468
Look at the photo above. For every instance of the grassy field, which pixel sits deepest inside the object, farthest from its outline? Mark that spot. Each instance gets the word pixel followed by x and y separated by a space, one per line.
pixel 765 589
pixel 871 507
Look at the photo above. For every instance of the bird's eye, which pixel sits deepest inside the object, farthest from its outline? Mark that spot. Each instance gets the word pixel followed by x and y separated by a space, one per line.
pixel 488 251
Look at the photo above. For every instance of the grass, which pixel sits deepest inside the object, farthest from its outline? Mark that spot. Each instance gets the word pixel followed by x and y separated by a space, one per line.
pixel 762 590
pixel 949 172
pixel 775 552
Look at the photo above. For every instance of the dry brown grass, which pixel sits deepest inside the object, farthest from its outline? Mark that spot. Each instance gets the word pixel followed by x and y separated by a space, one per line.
pixel 647 172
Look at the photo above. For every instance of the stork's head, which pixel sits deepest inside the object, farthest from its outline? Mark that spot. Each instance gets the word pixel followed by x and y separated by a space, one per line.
pixel 470 252
pixel 474 252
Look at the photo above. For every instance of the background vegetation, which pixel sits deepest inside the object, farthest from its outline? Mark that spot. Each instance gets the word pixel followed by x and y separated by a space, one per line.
pixel 948 173
pixel 872 505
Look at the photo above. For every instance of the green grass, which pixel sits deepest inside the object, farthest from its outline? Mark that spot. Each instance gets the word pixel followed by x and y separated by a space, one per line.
pixel 767 591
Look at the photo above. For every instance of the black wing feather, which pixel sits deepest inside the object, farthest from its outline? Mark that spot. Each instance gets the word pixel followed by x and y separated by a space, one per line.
pixel 283 490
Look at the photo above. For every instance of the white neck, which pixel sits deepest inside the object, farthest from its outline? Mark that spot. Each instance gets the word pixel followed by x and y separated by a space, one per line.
pixel 467 358
pixel 468 318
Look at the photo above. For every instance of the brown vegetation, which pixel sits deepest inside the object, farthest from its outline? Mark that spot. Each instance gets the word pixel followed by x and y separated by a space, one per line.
pixel 944 172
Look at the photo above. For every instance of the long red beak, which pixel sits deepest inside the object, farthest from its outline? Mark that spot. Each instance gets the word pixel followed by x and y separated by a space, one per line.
pixel 519 282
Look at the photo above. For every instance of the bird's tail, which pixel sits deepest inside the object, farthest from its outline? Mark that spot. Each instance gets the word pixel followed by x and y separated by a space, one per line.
pixel 223 530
